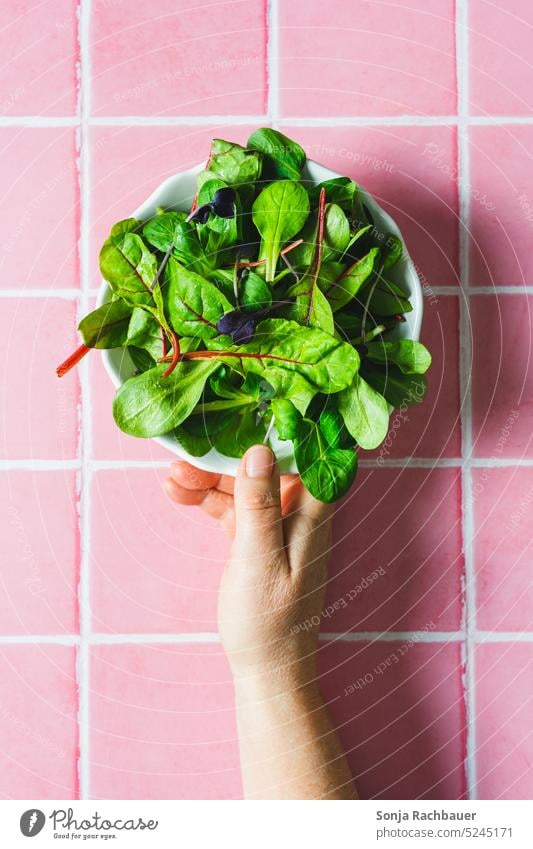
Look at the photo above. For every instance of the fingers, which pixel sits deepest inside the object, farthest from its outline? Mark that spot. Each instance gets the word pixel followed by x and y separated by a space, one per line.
pixel 192 478
pixel 214 502
pixel 258 504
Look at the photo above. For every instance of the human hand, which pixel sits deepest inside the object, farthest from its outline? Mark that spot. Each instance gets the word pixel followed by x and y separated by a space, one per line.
pixel 272 588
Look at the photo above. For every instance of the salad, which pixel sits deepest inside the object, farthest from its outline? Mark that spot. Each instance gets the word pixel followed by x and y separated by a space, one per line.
pixel 265 311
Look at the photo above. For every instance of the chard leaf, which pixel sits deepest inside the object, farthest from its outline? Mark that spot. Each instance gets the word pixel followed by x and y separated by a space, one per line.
pixel 106 326
pixel 194 305
pixel 327 472
pixel 128 266
pixel 151 405
pixel 160 231
pixel 387 298
pixel 144 332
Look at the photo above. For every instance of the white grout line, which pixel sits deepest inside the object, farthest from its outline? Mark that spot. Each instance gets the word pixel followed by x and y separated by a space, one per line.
pixel 239 120
pixel 85 424
pixel 214 637
pixel 51 465
pixel 273 61
pixel 463 166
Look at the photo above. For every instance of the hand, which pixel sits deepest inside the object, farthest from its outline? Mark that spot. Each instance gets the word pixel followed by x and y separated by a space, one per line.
pixel 272 589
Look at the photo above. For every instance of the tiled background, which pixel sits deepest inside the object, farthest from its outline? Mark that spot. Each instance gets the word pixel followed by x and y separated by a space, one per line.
pixel 113 683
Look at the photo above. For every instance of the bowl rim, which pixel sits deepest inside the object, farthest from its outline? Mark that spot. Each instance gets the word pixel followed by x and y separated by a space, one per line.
pixel 213 461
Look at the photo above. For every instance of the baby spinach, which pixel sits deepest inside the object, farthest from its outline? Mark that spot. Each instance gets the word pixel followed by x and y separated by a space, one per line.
pixel 283 157
pixel 268 302
pixel 279 212
pixel 151 405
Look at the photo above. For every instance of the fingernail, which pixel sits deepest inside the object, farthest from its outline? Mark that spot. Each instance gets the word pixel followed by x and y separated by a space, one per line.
pixel 259 462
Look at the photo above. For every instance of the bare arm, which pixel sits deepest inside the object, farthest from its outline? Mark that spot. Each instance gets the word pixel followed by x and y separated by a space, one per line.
pixel 273 582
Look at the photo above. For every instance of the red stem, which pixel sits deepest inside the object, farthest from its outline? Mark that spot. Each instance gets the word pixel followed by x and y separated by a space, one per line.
pixel 175 355
pixel 206 355
pixel 73 360
pixel 291 246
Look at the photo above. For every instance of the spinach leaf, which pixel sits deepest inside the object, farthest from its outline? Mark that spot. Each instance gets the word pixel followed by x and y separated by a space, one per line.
pixel 335 239
pixel 339 190
pixel 410 357
pixel 283 157
pixel 327 472
pixel 232 163
pixel 242 431
pixel 194 305
pixel 399 389
pixel 286 417
pixel 365 413
pixel 151 405
pixel 141 359
pixel 106 326
pixel 387 298
pixel 279 212
pixel 312 306
pixel 254 293
pixel 391 252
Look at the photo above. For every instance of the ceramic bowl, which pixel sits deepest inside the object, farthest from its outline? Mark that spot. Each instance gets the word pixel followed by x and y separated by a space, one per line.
pixel 177 193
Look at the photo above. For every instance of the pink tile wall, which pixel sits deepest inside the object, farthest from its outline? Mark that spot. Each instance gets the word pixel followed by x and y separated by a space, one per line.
pixel 133 696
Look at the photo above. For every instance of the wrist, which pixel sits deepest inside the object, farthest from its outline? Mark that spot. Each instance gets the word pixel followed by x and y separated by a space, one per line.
pixel 273 684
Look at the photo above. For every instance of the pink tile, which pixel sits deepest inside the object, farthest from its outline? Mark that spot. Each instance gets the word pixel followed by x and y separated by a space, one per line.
pixel 108 441
pixel 362 58
pixel 432 429
pixel 39 212
pixel 39 40
pixel 39 415
pixel 502 392
pixel 501 76
pixel 38 727
pixel 501 205
pixel 411 171
pixel 162 578
pixel 397 560
pixel 39 532
pixel 503 548
pixel 189 59
pixel 128 163
pixel 400 712
pixel 163 723
pixel 504 740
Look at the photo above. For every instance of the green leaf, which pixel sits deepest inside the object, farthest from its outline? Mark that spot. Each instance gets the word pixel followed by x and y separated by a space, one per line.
pixel 106 326
pixel 387 298
pixel 410 357
pixel 141 359
pixel 254 293
pixel 327 472
pixel 242 431
pixel 391 252
pixel 151 405
pixel 339 190
pixel 346 287
pixel 128 266
pixel 283 157
pixel 194 305
pixel 232 163
pixel 144 332
pixel 279 212
pixel 331 424
pixel 365 413
pixel 282 347
pixel 335 240
pixel 287 418
pixel 311 306
pixel 160 231
pixel 399 389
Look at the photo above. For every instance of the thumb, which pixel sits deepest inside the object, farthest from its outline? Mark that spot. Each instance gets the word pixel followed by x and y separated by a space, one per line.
pixel 258 523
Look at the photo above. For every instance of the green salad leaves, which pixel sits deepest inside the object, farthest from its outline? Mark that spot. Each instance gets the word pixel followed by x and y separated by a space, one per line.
pixel 265 312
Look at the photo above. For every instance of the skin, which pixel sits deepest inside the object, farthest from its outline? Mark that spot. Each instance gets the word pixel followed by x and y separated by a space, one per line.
pixel 273 583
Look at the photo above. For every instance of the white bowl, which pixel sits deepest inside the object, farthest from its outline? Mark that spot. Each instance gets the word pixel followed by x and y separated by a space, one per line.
pixel 177 192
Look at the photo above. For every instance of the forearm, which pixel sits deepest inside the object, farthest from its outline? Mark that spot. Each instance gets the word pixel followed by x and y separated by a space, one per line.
pixel 289 747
